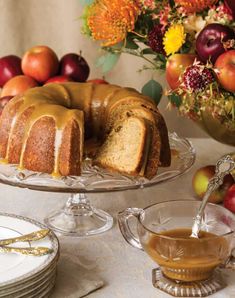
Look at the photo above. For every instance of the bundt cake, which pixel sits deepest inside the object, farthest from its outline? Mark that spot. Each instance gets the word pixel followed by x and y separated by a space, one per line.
pixel 46 129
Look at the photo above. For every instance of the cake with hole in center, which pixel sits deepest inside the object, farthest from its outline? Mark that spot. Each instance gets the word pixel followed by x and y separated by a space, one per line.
pixel 47 130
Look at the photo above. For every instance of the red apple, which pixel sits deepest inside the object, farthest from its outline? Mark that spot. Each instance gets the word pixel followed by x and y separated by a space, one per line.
pixel 10 66
pixel 200 182
pixel 3 101
pixel 97 81
pixel 59 79
pixel 225 65
pixel 229 200
pixel 18 85
pixel 175 67
pixel 210 41
pixel 230 4
pixel 40 63
pixel 75 66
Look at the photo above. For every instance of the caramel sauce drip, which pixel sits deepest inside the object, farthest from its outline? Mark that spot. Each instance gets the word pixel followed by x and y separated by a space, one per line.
pixel 54 101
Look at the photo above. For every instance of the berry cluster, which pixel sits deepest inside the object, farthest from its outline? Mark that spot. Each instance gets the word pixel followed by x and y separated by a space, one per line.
pixel 196 78
pixel 155 39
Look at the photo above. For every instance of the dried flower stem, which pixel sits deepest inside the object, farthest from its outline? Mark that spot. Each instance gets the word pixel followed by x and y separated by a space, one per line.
pixel 138 34
pixel 131 52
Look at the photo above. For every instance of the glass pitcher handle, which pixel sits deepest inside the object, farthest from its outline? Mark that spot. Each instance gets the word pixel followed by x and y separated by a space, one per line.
pixel 123 222
pixel 231 262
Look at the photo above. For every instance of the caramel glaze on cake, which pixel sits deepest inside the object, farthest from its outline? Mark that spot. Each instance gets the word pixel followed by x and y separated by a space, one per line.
pixel 44 129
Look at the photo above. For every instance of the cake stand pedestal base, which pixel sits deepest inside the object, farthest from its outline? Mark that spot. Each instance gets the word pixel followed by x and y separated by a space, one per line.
pixel 174 288
pixel 79 218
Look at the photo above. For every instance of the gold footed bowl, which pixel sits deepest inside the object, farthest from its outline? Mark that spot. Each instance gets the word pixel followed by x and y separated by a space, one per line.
pixel 218 131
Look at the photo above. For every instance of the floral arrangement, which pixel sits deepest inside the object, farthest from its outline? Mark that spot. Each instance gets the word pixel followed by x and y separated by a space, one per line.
pixel 192 41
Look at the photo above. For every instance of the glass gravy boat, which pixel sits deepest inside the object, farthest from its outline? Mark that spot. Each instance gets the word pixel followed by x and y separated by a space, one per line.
pixel 187 265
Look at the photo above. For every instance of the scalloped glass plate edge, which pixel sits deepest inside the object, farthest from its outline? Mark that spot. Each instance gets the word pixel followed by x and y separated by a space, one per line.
pixel 95 179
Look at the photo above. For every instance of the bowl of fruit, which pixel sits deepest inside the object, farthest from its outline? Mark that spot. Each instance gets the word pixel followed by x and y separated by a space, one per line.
pixel 192 41
pixel 38 66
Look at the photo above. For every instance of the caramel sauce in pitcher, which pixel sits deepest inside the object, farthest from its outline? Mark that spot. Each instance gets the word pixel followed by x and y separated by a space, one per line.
pixel 184 258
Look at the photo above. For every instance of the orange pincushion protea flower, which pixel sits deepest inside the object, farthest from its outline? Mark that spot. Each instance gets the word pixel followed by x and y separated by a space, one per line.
pixel 191 6
pixel 111 20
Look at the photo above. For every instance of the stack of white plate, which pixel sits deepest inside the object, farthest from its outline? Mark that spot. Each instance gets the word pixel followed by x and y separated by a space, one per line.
pixel 22 275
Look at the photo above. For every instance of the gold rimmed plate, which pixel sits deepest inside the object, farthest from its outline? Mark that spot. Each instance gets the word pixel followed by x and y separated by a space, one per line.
pixel 34 288
pixel 17 269
pixel 31 284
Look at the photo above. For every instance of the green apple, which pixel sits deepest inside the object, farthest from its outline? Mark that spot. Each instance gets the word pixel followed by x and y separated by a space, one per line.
pixel 200 182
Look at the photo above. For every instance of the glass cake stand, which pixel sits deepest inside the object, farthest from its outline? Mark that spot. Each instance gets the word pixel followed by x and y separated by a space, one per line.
pixel 78 217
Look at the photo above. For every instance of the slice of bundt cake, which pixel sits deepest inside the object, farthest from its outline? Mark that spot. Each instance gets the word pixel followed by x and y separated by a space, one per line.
pixel 126 147
pixel 150 112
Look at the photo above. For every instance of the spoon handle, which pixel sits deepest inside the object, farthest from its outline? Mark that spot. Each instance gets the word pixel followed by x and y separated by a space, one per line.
pixel 34 236
pixel 223 167
pixel 29 251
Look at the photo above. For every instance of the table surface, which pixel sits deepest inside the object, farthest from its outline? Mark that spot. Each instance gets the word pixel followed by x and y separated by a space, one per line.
pixel 125 270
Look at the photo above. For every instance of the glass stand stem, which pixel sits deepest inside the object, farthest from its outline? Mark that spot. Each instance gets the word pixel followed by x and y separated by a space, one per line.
pixel 78 204
pixel 79 218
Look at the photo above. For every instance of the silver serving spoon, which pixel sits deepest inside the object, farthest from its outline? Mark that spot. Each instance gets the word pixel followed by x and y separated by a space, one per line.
pixel 223 167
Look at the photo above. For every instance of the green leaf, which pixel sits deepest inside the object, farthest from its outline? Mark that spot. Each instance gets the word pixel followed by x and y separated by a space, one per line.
pixel 85 28
pixel 117 46
pixel 86 2
pixel 130 44
pixel 172 3
pixel 153 89
pixel 148 51
pixel 175 99
pixel 162 58
pixel 100 61
pixel 186 47
pixel 107 61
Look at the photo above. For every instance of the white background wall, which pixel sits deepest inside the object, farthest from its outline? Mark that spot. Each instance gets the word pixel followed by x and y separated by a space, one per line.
pixel 26 23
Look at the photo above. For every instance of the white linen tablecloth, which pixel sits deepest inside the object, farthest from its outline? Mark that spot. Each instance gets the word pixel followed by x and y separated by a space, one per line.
pixel 126 271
